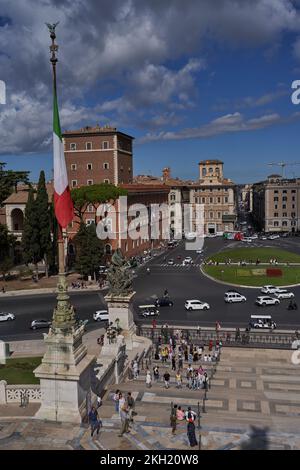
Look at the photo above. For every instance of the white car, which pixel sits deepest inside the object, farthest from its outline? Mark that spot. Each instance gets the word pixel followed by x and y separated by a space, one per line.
pixel 188 260
pixel 284 294
pixel 196 305
pixel 264 300
pixel 101 315
pixel 6 316
pixel 231 297
pixel 273 237
pixel 254 237
pixel 199 252
pixel 270 289
pixel 247 240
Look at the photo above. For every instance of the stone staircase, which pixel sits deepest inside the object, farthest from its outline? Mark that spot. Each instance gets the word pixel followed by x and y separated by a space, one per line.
pixel 250 389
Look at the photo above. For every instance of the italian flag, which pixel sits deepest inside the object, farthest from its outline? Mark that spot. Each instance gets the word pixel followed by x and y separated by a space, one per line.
pixel 63 203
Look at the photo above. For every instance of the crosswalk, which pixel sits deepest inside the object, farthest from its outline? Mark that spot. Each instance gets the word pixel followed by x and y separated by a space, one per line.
pixel 179 265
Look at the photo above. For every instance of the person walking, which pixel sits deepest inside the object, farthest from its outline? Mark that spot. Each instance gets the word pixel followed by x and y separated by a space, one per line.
pixel 124 419
pixel 121 402
pixel 131 405
pixel 135 370
pixel 191 433
pixel 167 379
pixel 148 379
pixel 178 378
pixel 116 400
pixel 173 362
pixel 156 373
pixel 94 421
pixel 173 420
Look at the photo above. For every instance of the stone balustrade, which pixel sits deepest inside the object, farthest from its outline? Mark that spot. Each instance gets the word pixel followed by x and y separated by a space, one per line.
pixel 15 393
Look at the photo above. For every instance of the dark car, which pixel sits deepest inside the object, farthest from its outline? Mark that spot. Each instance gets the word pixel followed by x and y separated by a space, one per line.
pixel 164 302
pixel 35 324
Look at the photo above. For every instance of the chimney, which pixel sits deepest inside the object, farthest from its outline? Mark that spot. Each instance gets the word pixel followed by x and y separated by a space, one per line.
pixel 166 174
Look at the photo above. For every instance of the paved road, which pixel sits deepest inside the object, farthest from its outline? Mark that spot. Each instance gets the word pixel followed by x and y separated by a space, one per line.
pixel 182 282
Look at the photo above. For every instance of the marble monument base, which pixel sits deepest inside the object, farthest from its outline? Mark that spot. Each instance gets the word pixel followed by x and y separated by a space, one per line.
pixel 65 377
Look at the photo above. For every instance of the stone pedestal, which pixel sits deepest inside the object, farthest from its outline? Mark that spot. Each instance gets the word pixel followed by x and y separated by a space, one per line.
pixel 65 376
pixel 4 352
pixel 120 307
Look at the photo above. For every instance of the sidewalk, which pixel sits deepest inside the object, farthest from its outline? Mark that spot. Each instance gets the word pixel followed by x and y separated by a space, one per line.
pixel 48 290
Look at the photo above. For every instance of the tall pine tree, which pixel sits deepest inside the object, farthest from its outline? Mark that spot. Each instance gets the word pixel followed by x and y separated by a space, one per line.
pixel 43 218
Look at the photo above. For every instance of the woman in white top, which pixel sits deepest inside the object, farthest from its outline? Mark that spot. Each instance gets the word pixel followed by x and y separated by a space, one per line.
pixel 148 379
pixel 121 402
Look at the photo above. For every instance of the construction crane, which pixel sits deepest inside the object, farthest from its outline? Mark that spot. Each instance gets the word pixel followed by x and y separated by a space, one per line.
pixel 283 165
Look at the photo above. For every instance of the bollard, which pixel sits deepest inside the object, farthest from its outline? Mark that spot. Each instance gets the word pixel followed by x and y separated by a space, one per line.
pixel 203 406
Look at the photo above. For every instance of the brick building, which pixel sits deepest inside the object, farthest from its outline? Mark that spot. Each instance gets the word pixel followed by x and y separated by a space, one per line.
pixel 98 155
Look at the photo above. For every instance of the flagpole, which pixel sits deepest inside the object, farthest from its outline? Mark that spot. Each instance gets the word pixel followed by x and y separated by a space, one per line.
pixel 60 240
pixel 63 315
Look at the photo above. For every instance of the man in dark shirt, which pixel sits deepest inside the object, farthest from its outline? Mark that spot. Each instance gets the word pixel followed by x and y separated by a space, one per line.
pixel 94 421
pixel 167 379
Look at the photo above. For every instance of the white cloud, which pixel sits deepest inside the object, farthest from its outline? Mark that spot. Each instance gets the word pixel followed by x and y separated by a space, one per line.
pixel 228 123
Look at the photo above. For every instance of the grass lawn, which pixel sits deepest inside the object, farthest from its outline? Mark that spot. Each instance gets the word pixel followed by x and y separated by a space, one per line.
pixel 264 254
pixel 20 370
pixel 253 276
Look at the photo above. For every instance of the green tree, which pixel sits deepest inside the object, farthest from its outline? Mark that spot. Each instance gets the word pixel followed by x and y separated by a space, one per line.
pixel 43 218
pixel 9 180
pixel 89 250
pixel 95 195
pixel 6 266
pixel 30 237
pixel 7 243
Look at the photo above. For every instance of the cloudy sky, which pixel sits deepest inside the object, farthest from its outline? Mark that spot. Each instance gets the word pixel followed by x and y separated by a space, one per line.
pixel 189 79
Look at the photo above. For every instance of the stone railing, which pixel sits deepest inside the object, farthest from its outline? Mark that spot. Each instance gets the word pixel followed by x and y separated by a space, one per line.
pixel 22 394
pixel 254 338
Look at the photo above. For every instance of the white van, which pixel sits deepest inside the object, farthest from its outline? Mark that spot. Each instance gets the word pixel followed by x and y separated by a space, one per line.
pixel 101 315
pixel 231 297
pixel 262 321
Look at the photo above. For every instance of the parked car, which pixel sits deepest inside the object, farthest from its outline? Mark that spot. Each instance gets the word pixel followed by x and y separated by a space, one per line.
pixel 199 252
pixel 188 260
pixel 196 305
pixel 101 315
pixel 264 300
pixel 269 289
pixel 231 297
pixel 247 240
pixel 284 294
pixel 164 302
pixel 7 316
pixel 273 237
pixel 42 323
pixel 103 269
pixel 170 262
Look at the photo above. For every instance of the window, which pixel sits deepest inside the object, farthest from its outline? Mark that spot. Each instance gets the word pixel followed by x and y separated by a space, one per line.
pixel 89 182
pixel 219 215
pixel 106 181
pixel 172 197
pixel 219 200
pixel 275 198
pixel 210 200
pixel 284 198
pixel 293 191
pixel 89 221
pixel 276 206
pixel 203 200
pixel 284 214
pixel 226 190
pixel 211 215
pixel 293 214
pixel 172 214
pixel 72 146
pixel 210 170
pixel 105 166
pixel 203 172
pixel 283 206
pixel 284 223
pixel 105 145
pixel 276 191
pixel 276 224
pixel 90 208
pixel 73 166
pixel 108 249
pixel 225 199
pixel 293 198
pixel 88 146
pixel 74 183
pixel 275 214
pixel 89 166
pixel 293 206
pixel 284 191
